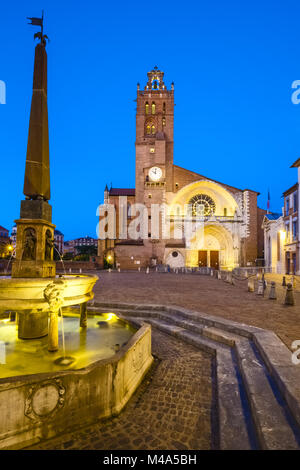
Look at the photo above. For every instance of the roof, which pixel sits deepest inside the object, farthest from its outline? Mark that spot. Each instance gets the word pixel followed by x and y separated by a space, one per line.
pixel 5 229
pixel 290 190
pixel 122 192
pixel 58 232
pixel 273 216
pixel 215 181
pixel 296 164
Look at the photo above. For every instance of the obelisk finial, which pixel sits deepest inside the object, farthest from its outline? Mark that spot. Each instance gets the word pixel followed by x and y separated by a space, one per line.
pixel 39 22
pixel 37 173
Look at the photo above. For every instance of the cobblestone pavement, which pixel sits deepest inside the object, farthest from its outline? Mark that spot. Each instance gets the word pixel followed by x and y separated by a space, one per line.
pixel 172 409
pixel 205 294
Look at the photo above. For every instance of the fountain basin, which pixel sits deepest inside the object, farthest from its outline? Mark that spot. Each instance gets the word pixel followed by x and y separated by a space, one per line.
pixel 21 294
pixel 40 406
pixel 26 296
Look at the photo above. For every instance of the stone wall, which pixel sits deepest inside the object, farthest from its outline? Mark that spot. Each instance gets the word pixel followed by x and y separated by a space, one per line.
pixel 41 406
pixel 77 265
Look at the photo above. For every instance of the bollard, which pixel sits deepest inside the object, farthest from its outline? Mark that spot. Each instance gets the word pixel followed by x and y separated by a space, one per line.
pixel 212 272
pixel 70 270
pixel 147 270
pixel 139 269
pixel 250 285
pixel 260 288
pixel 109 270
pixel 283 282
pixel 272 295
pixel 119 270
pixel 80 271
pixel 219 275
pixel 289 296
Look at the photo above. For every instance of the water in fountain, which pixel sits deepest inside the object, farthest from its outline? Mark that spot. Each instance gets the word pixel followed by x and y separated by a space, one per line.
pixel 62 261
pixel 13 253
pixel 64 360
pixel 83 346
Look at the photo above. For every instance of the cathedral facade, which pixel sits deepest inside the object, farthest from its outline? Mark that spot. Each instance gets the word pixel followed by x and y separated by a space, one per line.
pixel 225 223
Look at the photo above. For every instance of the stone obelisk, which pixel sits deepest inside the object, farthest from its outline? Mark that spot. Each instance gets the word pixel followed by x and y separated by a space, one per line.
pixel 35 231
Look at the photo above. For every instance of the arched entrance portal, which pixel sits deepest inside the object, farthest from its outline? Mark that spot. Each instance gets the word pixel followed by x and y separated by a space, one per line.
pixel 211 246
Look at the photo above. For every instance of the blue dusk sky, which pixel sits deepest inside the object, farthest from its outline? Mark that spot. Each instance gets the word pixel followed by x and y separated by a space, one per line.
pixel 233 64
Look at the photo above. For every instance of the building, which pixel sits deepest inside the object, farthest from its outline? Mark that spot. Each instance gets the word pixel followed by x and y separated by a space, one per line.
pixel 5 246
pixel 227 222
pixel 70 246
pixel 13 236
pixel 281 233
pixel 291 226
pixel 274 240
pixel 59 241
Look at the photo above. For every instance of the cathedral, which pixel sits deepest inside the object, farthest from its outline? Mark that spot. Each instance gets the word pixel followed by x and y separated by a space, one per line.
pixel 229 234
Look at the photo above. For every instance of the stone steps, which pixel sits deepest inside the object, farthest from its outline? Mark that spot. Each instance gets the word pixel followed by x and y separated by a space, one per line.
pixel 257 386
pixel 271 418
pixel 236 435
pixel 252 413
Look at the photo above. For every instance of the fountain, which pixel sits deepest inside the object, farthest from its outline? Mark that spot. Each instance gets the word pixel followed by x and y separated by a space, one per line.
pixel 44 391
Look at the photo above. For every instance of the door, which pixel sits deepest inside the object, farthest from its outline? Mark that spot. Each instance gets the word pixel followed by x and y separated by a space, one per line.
pixel 214 259
pixel 294 263
pixel 288 263
pixel 202 258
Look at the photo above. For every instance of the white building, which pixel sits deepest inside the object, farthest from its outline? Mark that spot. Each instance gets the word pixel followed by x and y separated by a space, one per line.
pixel 281 233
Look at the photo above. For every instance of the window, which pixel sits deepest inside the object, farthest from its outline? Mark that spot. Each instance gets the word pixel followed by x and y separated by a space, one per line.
pixel 225 211
pixel 287 230
pixel 164 108
pixel 153 129
pixel 147 107
pixel 294 228
pixel 295 201
pixel 163 121
pixel 153 108
pixel 202 205
pixel 148 129
pixel 287 205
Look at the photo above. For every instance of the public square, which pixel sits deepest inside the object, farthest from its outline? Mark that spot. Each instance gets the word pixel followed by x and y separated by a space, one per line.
pixel 174 408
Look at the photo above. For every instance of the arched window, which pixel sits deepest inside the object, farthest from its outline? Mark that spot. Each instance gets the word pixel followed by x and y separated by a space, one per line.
pixel 148 129
pixel 163 121
pixel 153 108
pixel 147 107
pixel 128 209
pixel 164 108
pixel 153 129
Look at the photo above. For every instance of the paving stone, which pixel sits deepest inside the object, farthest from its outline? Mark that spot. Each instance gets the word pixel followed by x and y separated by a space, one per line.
pixel 154 428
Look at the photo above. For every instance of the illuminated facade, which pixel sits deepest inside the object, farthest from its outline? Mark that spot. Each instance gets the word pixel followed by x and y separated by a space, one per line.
pixel 281 233
pixel 230 234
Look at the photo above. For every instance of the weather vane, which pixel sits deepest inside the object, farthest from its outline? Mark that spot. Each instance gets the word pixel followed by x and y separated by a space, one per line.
pixel 39 22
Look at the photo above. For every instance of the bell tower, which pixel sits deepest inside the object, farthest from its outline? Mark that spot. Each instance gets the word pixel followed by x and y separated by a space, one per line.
pixel 154 139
